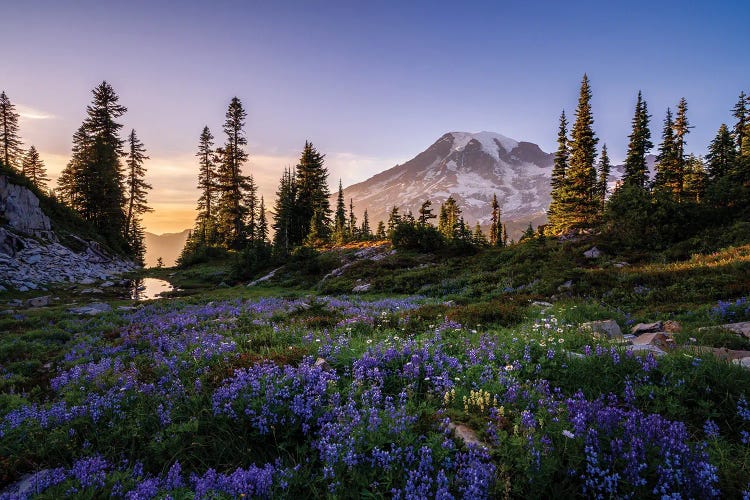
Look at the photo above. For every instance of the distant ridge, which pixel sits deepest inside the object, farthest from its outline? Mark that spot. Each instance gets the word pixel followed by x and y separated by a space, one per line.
pixel 167 246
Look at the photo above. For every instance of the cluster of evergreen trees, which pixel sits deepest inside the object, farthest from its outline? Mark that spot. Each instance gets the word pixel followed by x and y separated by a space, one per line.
pixel 452 230
pixel 230 215
pixel 12 153
pixel 106 192
pixel 96 183
pixel 682 184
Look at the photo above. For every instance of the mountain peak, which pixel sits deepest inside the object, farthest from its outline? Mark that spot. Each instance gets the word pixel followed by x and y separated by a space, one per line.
pixel 488 140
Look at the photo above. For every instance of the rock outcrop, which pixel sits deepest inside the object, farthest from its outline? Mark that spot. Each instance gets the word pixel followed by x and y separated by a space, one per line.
pixel 31 254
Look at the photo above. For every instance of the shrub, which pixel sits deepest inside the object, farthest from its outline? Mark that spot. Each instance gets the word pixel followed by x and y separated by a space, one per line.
pixel 419 237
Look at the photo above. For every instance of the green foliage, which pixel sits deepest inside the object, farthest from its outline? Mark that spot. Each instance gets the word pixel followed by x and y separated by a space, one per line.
pixel 197 252
pixel 251 260
pixel 419 237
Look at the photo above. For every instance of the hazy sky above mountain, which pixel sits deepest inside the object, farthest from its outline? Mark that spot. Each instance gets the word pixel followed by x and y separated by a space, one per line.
pixel 371 84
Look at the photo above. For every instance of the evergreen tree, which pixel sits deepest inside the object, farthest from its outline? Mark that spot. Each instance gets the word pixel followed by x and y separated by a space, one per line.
pixel 10 142
pixel 352 221
pixel 636 171
pixel 137 243
pixel 232 185
pixel 696 179
pixel 33 168
pixel 262 233
pixel 206 220
pixel 505 235
pixel 478 237
pixel 380 231
pixel 70 184
pixel 136 188
pixel 463 233
pixel 251 209
pixel 339 221
pixel 604 169
pixel 284 216
pixel 681 129
pixel 496 227
pixel 364 230
pixel 579 201
pixel 721 154
pixel 425 213
pixel 100 178
pixel 555 213
pixel 667 176
pixel 742 114
pixel 312 195
pixel 448 221
pixel 394 219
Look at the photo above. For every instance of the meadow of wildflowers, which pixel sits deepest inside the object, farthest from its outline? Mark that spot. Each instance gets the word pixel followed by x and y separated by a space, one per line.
pixel 341 397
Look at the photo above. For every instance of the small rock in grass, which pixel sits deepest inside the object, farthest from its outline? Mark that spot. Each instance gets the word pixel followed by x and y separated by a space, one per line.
pixel 466 434
pixel 642 328
pixel 659 339
pixel 608 327
pixel 38 301
pixel 592 253
pixel 323 365
pixel 740 328
pixel 743 362
pixel 672 326
pixel 361 288
pixel 92 309
pixel 541 303
pixel 645 348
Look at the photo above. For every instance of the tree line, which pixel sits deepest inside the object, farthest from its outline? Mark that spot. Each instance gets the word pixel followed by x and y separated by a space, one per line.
pixel 686 193
pixel 12 153
pixel 104 181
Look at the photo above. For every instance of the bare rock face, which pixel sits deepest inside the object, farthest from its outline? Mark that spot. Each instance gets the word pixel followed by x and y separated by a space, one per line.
pixel 20 208
pixel 31 254
pixel 739 328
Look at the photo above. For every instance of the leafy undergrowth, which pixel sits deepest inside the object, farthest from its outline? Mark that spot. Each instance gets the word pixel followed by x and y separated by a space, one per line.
pixel 232 397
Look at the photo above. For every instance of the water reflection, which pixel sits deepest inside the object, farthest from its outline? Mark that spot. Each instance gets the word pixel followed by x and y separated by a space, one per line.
pixel 149 288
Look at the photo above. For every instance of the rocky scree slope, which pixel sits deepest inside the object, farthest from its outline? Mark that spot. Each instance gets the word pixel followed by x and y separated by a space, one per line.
pixel 31 253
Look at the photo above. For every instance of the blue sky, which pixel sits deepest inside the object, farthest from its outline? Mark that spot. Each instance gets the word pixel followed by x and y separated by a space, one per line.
pixel 370 83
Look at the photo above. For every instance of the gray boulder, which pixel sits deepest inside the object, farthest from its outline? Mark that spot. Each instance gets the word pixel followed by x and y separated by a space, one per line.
pixel 608 328
pixel 92 309
pixel 642 328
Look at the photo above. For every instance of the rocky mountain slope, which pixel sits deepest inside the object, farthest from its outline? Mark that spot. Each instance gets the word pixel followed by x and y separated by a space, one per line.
pixel 471 167
pixel 32 253
pixel 167 246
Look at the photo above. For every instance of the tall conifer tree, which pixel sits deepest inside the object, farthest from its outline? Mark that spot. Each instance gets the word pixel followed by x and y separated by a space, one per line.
pixel 364 230
pixel 10 142
pixel 262 232
pixel 721 154
pixel 555 213
pixel 604 169
pixel 636 170
pixel 33 168
pixel 99 176
pixel 580 202
pixel 136 189
pixel 233 186
pixel 667 176
pixel 206 219
pixel 742 114
pixel 312 195
pixel 284 216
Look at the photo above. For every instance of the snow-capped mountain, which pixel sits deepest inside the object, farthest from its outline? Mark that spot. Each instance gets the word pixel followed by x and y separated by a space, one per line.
pixel 469 166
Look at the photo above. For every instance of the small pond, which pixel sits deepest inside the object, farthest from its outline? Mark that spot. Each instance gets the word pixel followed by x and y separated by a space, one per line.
pixel 149 288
